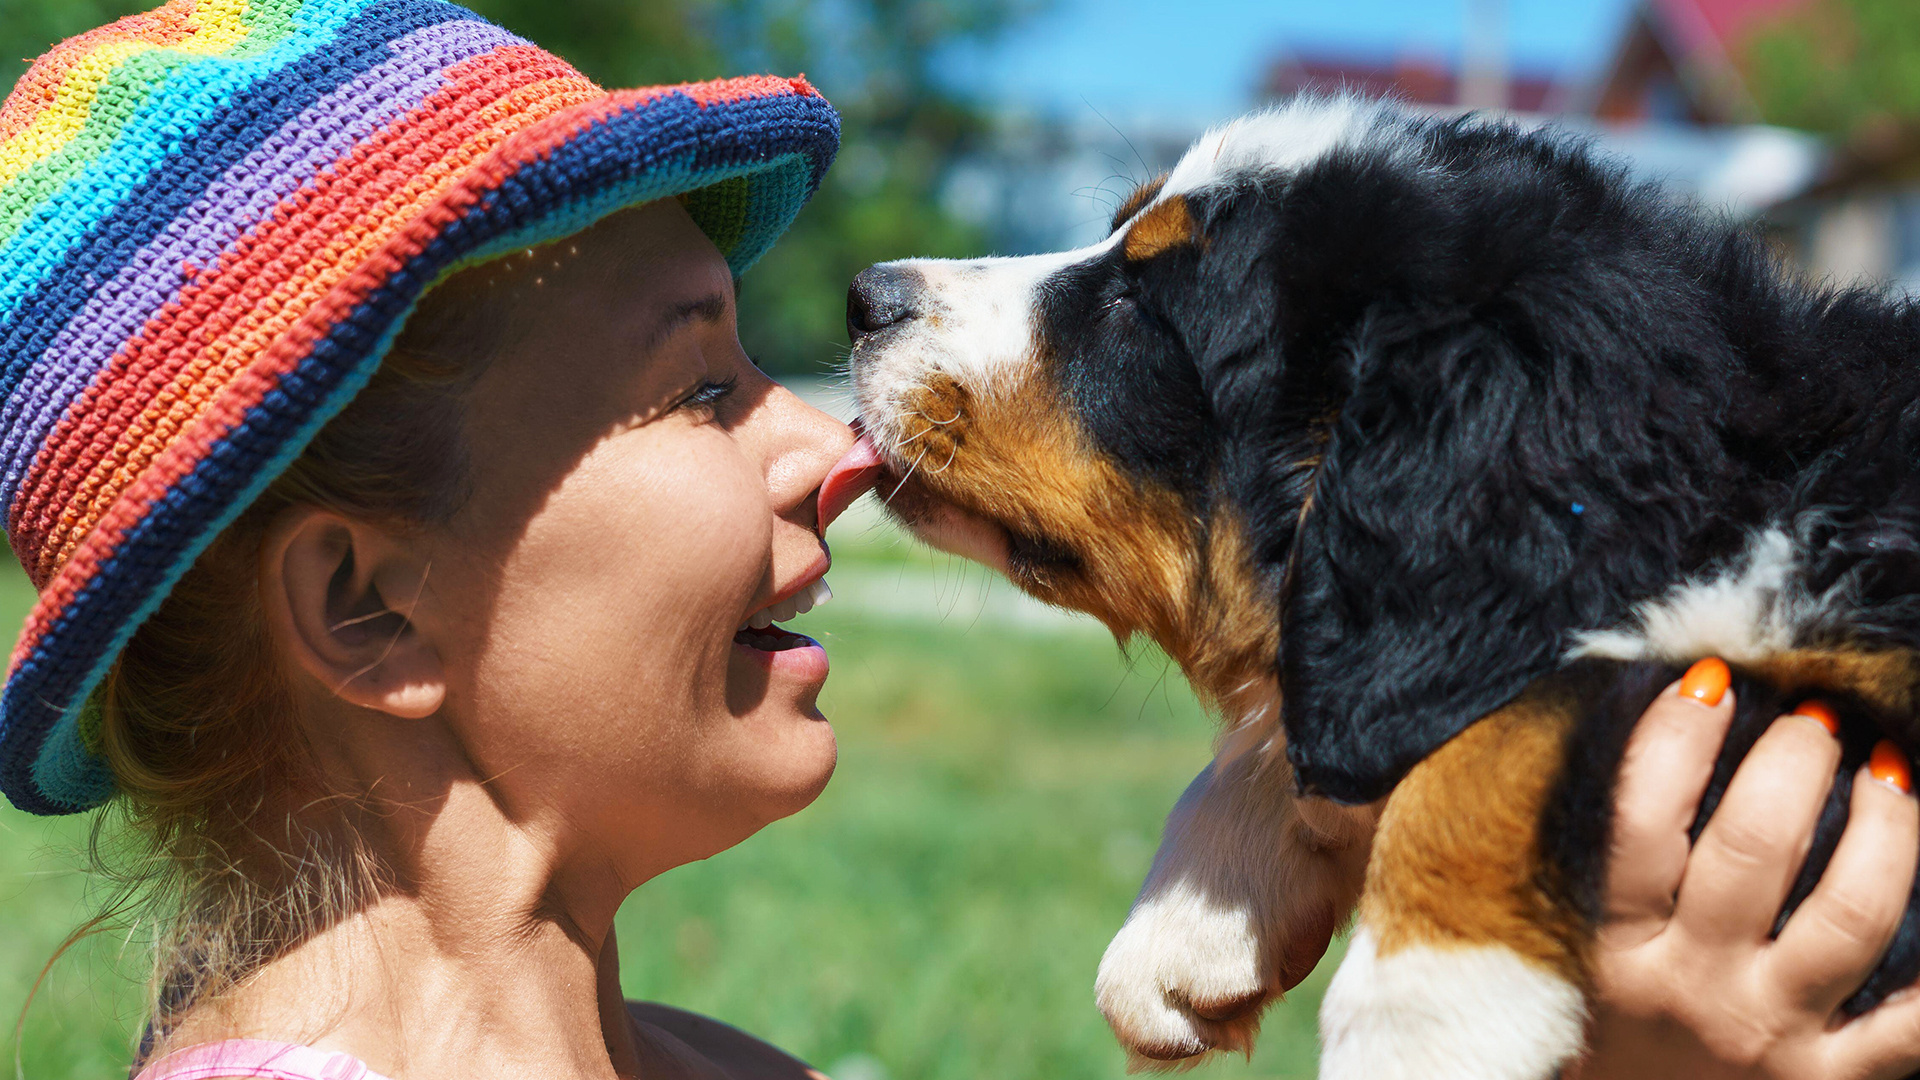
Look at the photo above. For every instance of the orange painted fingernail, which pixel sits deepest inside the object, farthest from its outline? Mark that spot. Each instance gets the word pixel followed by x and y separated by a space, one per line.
pixel 1820 713
pixel 1889 766
pixel 1706 681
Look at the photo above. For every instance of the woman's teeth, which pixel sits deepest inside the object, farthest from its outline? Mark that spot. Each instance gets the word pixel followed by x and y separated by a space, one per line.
pixel 799 603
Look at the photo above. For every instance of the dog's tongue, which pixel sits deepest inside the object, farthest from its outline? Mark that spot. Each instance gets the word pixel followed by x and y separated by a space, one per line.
pixel 849 478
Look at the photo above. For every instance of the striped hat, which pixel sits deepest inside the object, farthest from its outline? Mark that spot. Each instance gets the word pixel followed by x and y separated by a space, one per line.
pixel 213 219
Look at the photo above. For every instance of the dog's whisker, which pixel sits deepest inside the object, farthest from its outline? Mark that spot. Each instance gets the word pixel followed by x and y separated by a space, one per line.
pixel 888 501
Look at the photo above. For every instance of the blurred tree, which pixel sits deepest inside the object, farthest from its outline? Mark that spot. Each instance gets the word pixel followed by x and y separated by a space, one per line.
pixel 1849 68
pixel 875 59
pixel 901 128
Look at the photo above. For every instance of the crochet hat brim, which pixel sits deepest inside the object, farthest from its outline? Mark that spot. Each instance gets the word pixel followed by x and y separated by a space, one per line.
pixel 745 153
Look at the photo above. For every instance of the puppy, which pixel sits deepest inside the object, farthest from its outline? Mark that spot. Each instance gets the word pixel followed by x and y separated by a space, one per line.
pixel 1431 450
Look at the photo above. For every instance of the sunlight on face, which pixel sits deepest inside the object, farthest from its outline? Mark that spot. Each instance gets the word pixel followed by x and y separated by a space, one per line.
pixel 641 490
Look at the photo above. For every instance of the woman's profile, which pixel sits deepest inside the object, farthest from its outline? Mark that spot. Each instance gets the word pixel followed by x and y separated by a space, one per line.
pixel 412 537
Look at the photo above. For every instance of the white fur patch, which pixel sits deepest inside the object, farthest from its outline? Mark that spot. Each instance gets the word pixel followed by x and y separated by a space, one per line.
pixel 1241 878
pixel 975 321
pixel 1428 1013
pixel 1281 139
pixel 1754 610
pixel 1180 944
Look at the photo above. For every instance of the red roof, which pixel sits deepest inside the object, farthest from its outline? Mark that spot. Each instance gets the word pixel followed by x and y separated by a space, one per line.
pixel 1684 59
pixel 1413 78
pixel 1716 26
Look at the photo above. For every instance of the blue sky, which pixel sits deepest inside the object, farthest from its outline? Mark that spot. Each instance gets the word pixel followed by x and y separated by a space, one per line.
pixel 1133 57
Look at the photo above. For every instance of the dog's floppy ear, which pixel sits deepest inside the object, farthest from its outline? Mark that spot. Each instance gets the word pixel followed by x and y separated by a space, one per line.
pixel 1478 501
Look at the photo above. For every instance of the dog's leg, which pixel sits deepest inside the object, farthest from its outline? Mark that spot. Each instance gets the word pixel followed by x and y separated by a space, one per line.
pixel 1248 887
pixel 1468 963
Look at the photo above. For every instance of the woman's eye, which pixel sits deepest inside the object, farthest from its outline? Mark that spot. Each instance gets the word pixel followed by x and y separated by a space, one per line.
pixel 709 393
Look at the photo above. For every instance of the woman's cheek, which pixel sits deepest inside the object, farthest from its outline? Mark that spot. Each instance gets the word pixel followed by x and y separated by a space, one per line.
pixel 622 594
pixel 669 532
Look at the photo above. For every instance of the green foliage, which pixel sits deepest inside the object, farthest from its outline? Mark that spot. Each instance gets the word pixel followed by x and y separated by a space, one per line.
pixel 31 27
pixel 875 59
pixel 1844 67
pixel 901 126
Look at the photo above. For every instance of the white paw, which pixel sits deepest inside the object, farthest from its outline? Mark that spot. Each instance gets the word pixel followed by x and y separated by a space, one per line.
pixel 1184 976
pixel 1446 1013
pixel 1241 903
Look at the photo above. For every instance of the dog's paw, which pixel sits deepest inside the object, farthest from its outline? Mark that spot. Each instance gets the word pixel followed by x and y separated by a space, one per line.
pixel 1244 896
pixel 1187 975
pixel 1428 1012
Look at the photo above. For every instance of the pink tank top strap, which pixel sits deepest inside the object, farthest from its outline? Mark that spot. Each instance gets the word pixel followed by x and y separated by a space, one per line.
pixel 254 1058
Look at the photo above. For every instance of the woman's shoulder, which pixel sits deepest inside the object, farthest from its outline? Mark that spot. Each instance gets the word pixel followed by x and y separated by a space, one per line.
pixel 678 1043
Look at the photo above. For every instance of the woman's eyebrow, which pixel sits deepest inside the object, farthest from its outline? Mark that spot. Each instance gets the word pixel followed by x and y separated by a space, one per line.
pixel 708 309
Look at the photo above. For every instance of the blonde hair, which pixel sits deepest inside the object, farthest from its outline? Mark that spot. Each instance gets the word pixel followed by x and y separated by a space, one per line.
pixel 204 848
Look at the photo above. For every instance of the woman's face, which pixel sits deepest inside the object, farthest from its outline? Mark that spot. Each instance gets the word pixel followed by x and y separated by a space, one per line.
pixel 640 492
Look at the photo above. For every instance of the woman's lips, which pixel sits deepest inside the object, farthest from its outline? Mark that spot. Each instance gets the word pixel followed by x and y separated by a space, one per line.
pixel 793 655
pixel 849 478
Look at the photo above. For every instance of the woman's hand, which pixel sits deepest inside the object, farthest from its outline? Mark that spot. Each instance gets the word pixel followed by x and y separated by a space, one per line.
pixel 1690 984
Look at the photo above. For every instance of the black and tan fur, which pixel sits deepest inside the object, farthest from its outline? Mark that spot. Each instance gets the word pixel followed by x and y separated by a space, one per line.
pixel 1431 450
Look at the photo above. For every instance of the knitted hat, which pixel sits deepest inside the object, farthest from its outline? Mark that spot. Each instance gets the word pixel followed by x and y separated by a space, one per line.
pixel 214 218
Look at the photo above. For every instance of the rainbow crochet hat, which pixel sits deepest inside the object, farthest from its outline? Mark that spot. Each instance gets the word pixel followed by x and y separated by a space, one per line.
pixel 214 218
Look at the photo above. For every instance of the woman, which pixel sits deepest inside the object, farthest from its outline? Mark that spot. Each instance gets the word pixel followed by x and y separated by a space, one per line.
pixel 414 630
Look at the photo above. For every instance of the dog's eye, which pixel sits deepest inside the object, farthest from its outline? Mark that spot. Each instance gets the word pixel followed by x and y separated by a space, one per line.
pixel 1129 301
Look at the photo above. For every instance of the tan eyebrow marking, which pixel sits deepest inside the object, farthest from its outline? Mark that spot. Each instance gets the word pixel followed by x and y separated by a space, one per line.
pixel 1140 197
pixel 1165 226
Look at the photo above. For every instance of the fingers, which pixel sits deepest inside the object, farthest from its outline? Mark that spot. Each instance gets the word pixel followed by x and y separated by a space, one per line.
pixel 1882 1045
pixel 1668 762
pixel 1757 839
pixel 1834 939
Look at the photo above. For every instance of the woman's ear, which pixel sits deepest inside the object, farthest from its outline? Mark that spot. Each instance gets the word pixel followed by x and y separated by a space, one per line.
pixel 346 600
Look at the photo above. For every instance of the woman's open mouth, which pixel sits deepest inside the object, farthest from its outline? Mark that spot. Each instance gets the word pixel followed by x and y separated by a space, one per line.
pixel 762 633
pixel 771 639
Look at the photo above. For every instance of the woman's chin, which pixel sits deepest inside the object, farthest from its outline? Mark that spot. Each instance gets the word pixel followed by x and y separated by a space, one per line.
pixel 794 754
pixel 774 679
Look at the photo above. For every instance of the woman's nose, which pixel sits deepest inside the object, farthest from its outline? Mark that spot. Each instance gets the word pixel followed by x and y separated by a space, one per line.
pixel 808 445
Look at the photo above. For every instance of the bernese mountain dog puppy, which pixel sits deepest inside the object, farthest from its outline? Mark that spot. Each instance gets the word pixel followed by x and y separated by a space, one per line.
pixel 1431 450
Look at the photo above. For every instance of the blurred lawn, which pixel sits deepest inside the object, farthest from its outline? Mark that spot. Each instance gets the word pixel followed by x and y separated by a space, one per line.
pixel 937 915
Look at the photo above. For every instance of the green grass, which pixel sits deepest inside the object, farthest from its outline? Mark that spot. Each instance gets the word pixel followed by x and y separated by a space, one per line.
pixel 937 915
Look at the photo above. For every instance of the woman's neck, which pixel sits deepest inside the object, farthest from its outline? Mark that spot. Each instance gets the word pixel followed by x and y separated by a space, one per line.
pixel 473 966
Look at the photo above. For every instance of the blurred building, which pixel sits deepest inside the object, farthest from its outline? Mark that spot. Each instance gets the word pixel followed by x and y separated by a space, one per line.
pixel 1679 62
pixel 1673 102
pixel 1860 220
pixel 1048 184
pixel 1415 78
pixel 1855 218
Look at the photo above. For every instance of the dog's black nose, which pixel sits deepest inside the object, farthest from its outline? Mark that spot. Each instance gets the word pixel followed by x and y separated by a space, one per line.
pixel 880 297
